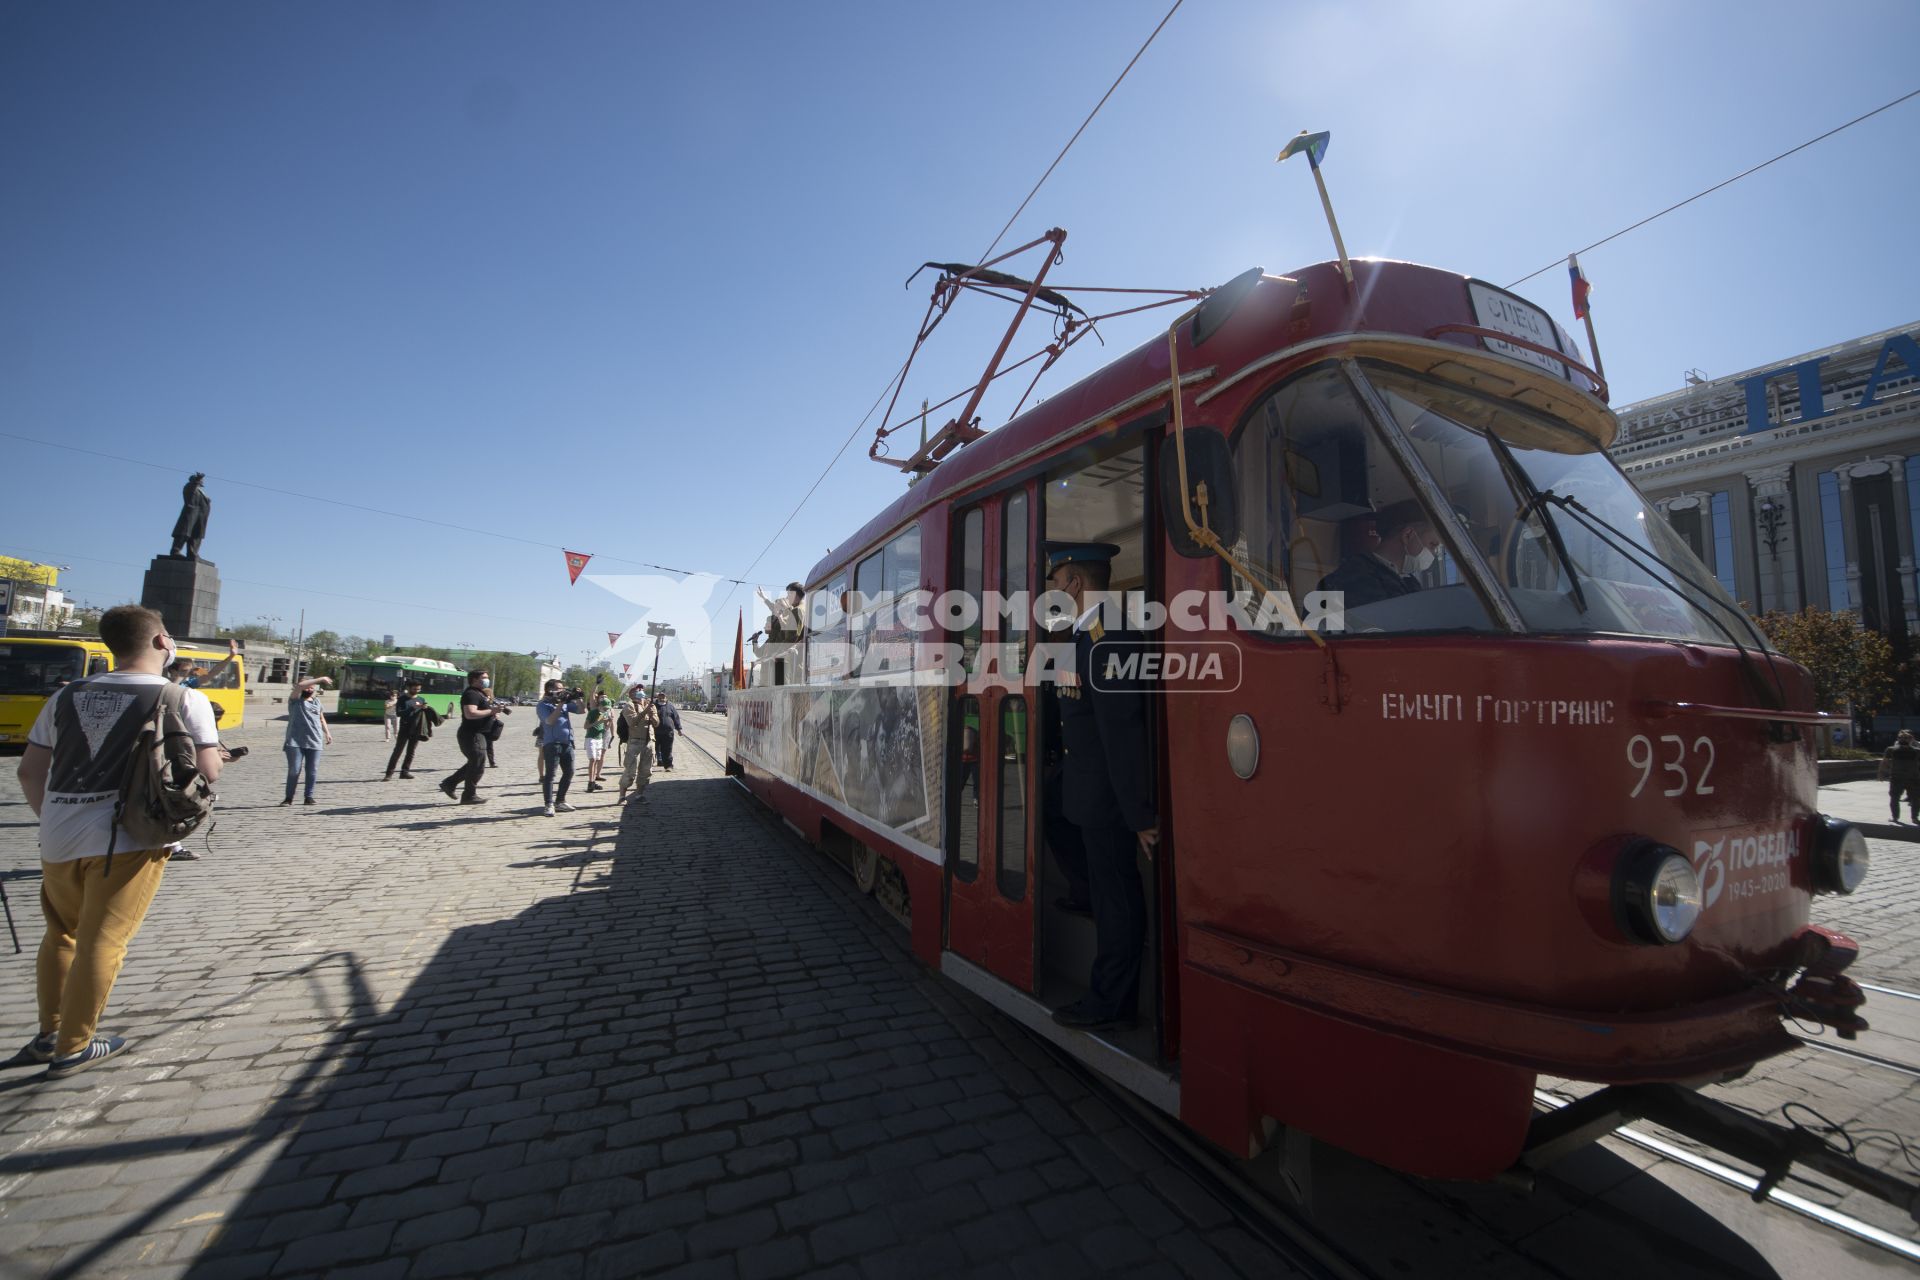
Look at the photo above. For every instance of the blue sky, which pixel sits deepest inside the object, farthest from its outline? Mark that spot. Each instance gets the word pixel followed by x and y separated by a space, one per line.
pixel 622 277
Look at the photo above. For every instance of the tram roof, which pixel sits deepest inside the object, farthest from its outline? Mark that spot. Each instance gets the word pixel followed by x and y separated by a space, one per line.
pixel 1388 297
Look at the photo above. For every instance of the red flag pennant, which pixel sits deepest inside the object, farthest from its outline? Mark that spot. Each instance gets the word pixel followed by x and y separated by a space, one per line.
pixel 576 561
pixel 613 638
pixel 739 672
pixel 625 667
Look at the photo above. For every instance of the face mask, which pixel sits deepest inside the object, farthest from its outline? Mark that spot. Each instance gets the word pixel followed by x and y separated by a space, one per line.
pixel 172 653
pixel 1418 563
pixel 486 684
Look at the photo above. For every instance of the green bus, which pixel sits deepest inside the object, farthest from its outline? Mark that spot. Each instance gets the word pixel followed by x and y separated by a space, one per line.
pixel 365 683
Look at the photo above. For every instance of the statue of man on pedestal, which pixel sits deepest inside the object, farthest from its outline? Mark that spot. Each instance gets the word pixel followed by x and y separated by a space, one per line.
pixel 191 527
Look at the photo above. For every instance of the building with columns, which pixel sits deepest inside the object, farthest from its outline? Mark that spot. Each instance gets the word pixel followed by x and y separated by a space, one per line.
pixel 1797 484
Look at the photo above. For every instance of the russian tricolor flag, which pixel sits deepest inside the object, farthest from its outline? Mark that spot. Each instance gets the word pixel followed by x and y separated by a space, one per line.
pixel 1580 287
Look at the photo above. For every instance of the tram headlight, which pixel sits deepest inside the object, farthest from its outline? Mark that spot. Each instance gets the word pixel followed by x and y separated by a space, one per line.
pixel 1840 857
pixel 1656 893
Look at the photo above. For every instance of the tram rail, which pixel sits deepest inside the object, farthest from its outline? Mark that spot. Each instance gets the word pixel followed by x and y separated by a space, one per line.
pixel 1859 1055
pixel 1267 1218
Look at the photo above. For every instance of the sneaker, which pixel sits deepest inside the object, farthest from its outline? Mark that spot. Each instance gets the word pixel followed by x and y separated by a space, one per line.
pixel 406 775
pixel 311 800
pixel 97 1051
pixel 564 807
pixel 549 811
pixel 183 854
pixel 451 789
pixel 288 800
pixel 38 1049
pixel 473 800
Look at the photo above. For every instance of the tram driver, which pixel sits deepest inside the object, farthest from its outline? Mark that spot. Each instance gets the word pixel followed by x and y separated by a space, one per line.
pixel 1386 549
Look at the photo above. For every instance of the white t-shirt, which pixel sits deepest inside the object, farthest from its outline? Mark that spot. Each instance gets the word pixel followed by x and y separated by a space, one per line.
pixel 77 822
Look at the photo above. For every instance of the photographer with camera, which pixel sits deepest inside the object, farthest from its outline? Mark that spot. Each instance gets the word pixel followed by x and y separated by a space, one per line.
pixel 599 732
pixel 478 714
pixel 556 742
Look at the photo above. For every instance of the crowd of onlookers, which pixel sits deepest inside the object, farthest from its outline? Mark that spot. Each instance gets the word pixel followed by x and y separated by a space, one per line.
pixel 148 721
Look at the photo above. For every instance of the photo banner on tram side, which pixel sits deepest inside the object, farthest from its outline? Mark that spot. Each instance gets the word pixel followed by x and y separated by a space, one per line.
pixel 879 754
pixel 873 750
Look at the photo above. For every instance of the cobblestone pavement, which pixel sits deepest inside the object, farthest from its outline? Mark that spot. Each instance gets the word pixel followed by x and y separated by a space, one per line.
pixel 391 1037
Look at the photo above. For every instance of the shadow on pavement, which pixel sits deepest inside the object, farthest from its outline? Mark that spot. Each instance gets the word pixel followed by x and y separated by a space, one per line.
pixel 525 1095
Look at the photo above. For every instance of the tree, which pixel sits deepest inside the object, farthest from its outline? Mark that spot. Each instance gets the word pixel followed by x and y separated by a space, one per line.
pixel 319 642
pixel 583 678
pixel 1848 662
pixel 248 631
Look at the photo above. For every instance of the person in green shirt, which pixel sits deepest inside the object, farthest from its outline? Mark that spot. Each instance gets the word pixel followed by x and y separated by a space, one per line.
pixel 599 722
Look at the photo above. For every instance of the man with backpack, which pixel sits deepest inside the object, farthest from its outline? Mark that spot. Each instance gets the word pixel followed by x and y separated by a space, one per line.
pixel 89 774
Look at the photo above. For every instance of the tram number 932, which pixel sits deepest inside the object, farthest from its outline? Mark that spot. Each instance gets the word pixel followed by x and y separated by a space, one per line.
pixel 1681 769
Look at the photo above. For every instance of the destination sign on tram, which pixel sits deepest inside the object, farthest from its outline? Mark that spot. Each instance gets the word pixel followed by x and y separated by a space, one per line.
pixel 1499 310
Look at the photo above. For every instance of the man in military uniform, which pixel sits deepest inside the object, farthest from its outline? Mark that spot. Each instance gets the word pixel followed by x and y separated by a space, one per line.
pixel 1107 785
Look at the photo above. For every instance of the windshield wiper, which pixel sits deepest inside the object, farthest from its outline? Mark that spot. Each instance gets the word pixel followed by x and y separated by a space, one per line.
pixel 1535 502
pixel 1601 528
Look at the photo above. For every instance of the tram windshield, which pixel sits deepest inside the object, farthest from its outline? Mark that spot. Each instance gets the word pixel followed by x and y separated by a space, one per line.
pixel 1329 504
pixel 1567 536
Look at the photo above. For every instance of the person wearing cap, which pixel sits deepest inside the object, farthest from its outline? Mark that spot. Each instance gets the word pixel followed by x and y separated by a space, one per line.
pixel 638 720
pixel 416 721
pixel 1392 546
pixel 1900 768
pixel 1107 787
pixel 665 730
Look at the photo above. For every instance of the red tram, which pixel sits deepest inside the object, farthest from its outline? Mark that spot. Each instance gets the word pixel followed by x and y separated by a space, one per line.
pixel 1551 814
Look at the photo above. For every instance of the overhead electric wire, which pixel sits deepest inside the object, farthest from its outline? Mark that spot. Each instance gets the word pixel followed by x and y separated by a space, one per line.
pixel 351 506
pixel 1718 185
pixel 832 462
pixel 854 434
pixel 1077 132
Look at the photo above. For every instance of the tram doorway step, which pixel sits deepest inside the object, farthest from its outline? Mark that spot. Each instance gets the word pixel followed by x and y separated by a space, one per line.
pixel 1771 1148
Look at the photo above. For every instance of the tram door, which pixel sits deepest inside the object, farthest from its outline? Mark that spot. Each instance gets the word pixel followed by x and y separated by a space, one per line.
pixel 991 787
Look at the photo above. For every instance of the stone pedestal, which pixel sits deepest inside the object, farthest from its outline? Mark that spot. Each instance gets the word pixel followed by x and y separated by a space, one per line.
pixel 184 591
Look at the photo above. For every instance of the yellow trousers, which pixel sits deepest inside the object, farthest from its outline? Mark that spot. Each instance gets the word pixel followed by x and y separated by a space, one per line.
pixel 91 917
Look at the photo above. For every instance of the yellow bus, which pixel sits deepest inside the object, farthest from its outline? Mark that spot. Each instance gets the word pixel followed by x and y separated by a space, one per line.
pixel 32 667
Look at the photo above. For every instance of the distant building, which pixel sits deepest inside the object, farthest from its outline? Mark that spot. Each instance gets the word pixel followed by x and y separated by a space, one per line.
pixel 1798 483
pixel 29 598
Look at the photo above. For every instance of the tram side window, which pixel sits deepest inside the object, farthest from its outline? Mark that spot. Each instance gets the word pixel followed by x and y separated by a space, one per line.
pixel 963 796
pixel 973 554
pixel 901 577
pixel 827 632
pixel 1325 508
pixel 1014 583
pixel 864 607
pixel 1104 501
pixel 1012 873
